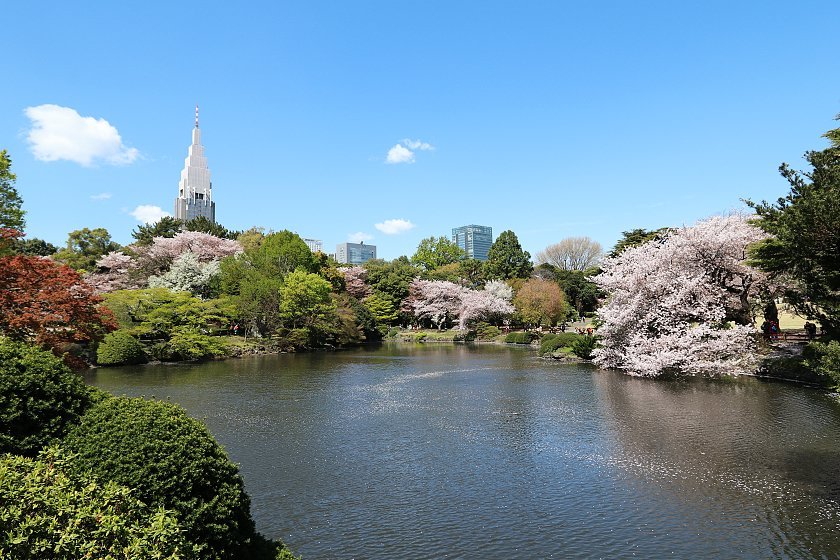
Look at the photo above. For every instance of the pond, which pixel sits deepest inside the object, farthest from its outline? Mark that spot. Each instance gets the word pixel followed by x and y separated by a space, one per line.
pixel 456 451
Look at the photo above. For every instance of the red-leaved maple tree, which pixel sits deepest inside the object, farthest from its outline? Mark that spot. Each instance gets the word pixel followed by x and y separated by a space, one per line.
pixel 48 304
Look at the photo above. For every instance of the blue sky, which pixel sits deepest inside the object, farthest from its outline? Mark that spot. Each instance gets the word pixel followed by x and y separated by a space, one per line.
pixel 552 119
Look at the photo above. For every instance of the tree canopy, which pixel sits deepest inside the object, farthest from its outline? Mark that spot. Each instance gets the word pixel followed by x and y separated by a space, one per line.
pixel 85 247
pixel 167 226
pixel 11 211
pixel 805 235
pixel 572 253
pixel 433 252
pixel 506 258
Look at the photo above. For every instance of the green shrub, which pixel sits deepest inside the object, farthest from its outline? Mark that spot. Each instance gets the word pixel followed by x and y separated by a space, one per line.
pixel 40 398
pixel 485 331
pixel 188 344
pixel 520 337
pixel 392 332
pixel 119 348
pixel 824 359
pixel 51 516
pixel 552 342
pixel 583 346
pixel 171 461
pixel 464 336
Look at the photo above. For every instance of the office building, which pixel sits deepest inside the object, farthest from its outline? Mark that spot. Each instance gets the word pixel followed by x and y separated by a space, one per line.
pixel 195 190
pixel 474 240
pixel 354 253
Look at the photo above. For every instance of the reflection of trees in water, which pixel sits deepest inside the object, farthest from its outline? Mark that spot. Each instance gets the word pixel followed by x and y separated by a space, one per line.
pixel 736 446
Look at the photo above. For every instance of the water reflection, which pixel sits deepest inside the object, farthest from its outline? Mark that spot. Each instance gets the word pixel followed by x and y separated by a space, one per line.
pixel 428 451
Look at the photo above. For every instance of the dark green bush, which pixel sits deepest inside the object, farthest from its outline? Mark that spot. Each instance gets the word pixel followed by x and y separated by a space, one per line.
pixel 48 515
pixel 171 461
pixel 464 336
pixel 520 337
pixel 485 331
pixel 552 342
pixel 119 348
pixel 40 398
pixel 584 346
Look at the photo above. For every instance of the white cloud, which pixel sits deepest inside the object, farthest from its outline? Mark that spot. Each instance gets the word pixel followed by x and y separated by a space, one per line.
pixel 148 214
pixel 394 227
pixel 417 145
pixel 100 196
pixel 61 133
pixel 358 237
pixel 399 154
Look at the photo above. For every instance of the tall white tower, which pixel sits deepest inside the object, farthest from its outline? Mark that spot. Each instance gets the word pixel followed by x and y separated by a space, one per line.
pixel 195 189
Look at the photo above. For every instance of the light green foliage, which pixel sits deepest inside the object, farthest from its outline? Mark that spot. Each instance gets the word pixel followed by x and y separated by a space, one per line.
pixel 305 300
pixel 382 307
pixel 11 213
pixel 40 398
pixel 156 312
pixel 85 247
pixel 47 515
pixel 824 359
pixel 119 348
pixel 167 226
pixel 188 274
pixel 434 252
pixel 187 343
pixel 506 258
pixel 171 461
pixel 541 302
pixel 805 242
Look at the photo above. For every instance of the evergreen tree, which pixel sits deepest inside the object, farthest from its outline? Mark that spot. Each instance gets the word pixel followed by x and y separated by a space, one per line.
pixel 506 259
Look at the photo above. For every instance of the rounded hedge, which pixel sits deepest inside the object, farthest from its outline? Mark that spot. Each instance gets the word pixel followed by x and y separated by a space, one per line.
pixel 51 516
pixel 171 461
pixel 40 398
pixel 120 348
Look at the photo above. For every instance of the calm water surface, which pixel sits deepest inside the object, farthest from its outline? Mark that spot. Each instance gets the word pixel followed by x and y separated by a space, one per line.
pixel 413 452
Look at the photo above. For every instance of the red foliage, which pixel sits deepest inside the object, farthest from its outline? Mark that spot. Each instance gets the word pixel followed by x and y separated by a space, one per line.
pixel 48 304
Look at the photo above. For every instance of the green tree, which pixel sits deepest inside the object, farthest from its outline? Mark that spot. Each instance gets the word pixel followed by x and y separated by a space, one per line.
pixel 204 225
pixel 382 307
pixel 40 398
pixel 433 252
pixel 305 300
pixel 636 237
pixel 506 258
pixel 85 247
pixel 48 515
pixel 11 213
pixel 805 242
pixel 541 302
pixel 167 226
pixel 581 292
pixel 391 278
pixel 34 247
pixel 171 461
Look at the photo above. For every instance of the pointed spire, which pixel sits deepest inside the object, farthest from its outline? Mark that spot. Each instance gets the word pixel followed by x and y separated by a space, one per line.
pixel 196 115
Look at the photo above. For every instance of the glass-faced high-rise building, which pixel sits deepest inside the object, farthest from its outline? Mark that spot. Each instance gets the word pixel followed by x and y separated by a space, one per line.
pixel 474 240
pixel 354 253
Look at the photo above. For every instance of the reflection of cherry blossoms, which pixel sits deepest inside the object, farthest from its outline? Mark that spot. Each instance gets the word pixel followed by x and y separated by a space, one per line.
pixel 440 302
pixel 682 304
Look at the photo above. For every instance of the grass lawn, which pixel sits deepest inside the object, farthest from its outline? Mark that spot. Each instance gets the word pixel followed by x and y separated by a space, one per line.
pixel 789 320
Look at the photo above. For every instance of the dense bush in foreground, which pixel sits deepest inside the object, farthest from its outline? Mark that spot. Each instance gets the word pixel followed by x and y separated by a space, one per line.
pixel 40 398
pixel 51 516
pixel 520 337
pixel 172 461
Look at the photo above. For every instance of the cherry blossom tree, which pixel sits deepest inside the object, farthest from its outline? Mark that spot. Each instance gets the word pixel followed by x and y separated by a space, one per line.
pixel 681 304
pixel 115 271
pixel 441 302
pixel 159 256
pixel 355 281
pixel 188 274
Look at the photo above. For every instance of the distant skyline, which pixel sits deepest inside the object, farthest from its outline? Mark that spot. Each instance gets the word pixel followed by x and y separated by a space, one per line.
pixel 388 123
